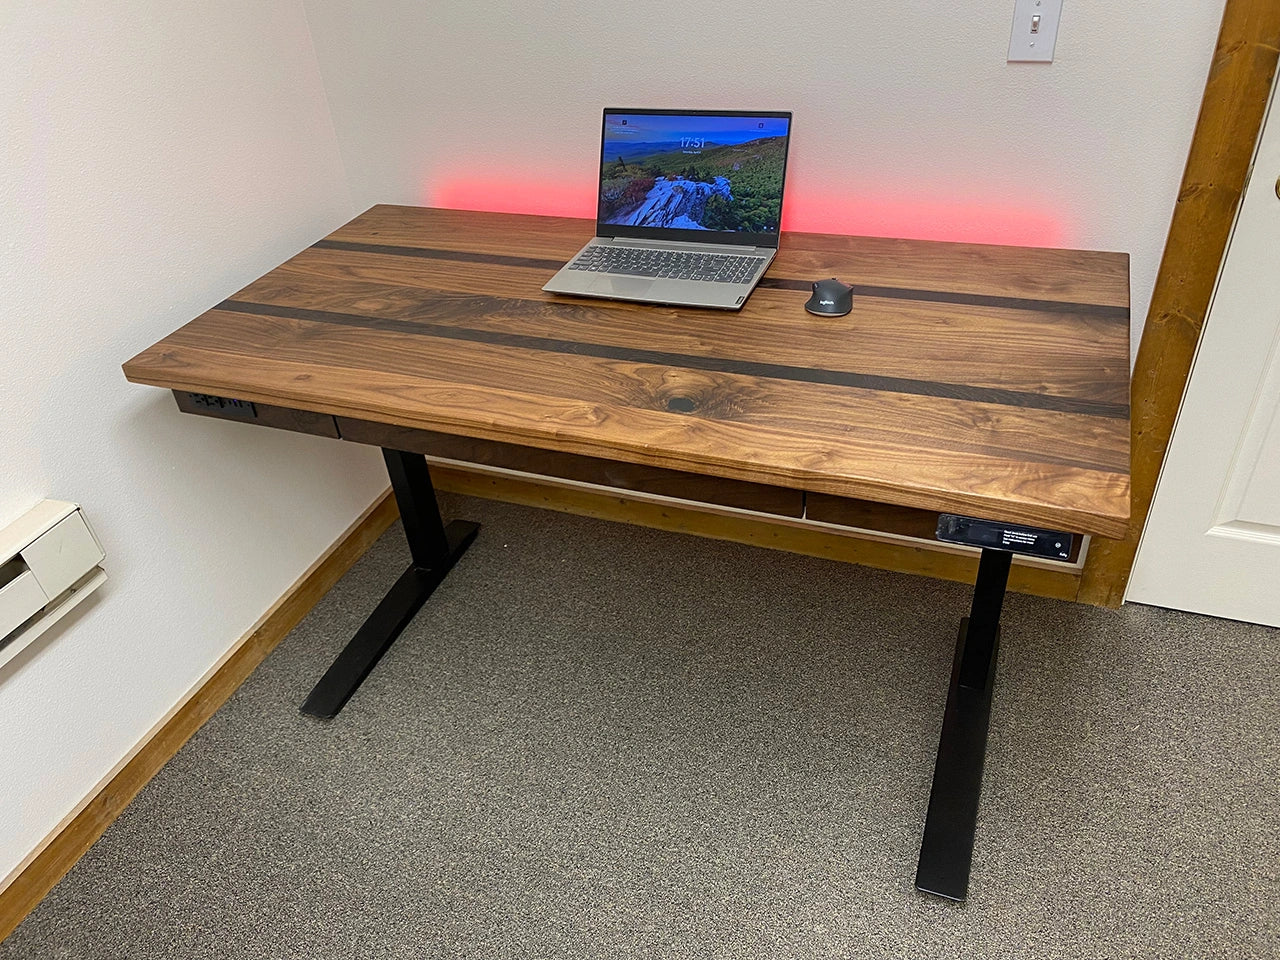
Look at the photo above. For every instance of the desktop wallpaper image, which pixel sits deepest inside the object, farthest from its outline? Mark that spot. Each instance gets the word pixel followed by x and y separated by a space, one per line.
pixel 693 173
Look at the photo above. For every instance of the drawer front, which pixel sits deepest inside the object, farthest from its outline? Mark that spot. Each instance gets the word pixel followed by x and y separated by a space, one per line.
pixel 567 466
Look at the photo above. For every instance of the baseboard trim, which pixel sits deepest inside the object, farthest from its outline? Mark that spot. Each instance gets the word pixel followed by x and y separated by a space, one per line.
pixel 29 882
pixel 32 879
pixel 939 561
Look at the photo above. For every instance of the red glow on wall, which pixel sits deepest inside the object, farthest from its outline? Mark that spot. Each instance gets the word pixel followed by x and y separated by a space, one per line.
pixel 869 214
pixel 924 218
pixel 514 196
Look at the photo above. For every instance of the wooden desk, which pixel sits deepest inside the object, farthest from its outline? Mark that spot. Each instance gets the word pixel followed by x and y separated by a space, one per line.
pixel 985 381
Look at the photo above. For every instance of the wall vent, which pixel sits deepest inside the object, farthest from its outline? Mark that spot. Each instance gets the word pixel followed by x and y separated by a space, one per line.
pixel 49 562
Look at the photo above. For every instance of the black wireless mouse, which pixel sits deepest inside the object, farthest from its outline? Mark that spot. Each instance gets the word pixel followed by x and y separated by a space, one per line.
pixel 831 298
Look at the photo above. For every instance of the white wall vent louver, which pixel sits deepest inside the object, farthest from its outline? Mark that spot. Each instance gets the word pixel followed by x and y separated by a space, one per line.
pixel 48 563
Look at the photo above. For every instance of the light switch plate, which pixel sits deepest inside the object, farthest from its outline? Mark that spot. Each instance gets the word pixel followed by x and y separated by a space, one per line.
pixel 1035 30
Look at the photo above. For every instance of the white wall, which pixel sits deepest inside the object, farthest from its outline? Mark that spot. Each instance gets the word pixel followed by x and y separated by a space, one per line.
pixel 908 121
pixel 154 158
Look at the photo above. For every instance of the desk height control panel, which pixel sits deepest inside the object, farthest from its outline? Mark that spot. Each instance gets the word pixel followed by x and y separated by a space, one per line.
pixel 1014 538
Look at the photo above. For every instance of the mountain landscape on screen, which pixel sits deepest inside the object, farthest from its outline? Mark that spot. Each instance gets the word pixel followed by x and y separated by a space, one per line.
pixel 723 187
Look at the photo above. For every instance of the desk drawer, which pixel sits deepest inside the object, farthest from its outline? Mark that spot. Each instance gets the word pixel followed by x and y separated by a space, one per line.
pixel 568 466
pixel 868 515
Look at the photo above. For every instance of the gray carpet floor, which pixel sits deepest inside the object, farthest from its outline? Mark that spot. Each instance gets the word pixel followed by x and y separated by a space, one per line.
pixel 602 741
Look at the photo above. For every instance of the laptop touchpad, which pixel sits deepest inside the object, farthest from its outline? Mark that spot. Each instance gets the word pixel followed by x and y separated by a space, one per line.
pixel 621 286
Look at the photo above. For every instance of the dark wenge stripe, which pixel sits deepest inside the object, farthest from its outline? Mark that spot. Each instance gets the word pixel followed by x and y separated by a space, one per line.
pixel 433 253
pixel 772 283
pixel 751 368
pixel 1099 310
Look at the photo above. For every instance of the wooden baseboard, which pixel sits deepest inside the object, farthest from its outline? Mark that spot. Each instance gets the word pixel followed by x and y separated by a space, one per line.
pixel 774 532
pixel 28 883
pixel 24 888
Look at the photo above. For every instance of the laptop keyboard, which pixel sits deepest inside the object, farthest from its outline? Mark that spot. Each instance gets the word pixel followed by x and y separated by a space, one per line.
pixel 672 264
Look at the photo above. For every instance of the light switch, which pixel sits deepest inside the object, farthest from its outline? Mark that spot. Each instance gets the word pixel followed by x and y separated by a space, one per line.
pixel 1035 30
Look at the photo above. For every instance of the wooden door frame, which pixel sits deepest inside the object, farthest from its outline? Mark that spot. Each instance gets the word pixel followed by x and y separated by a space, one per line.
pixel 1231 114
pixel 1227 128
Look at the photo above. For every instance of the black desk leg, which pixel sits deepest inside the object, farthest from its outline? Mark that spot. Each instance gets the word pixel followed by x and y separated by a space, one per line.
pixel 947 848
pixel 434 547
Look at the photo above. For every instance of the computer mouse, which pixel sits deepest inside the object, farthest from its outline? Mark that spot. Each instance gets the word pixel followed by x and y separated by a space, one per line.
pixel 831 298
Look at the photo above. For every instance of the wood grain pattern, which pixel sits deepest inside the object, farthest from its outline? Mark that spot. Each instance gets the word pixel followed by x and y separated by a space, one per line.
pixel 1231 115
pixel 983 380
pixel 1082 276
pixel 36 876
pixel 893 337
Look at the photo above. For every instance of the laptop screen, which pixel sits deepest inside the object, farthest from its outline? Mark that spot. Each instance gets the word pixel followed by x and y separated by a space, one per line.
pixel 693 175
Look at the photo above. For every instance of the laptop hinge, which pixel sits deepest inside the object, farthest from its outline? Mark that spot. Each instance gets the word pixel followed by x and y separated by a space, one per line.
pixel 677 245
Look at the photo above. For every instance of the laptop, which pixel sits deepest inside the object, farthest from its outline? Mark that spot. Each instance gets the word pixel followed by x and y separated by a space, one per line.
pixel 690 203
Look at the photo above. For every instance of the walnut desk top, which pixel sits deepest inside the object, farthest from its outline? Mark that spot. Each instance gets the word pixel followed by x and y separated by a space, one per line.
pixel 980 380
